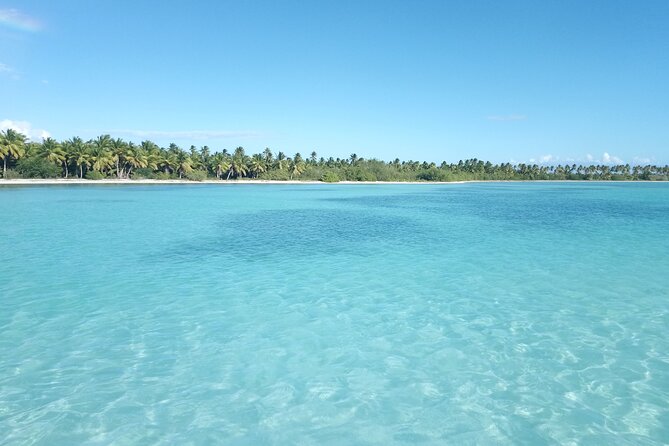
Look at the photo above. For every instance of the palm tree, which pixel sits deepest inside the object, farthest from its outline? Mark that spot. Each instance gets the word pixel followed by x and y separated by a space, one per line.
pixel 78 152
pixel 100 153
pixel 53 151
pixel 195 159
pixel 257 165
pixel 296 166
pixel 219 164
pixel 205 154
pixel 102 142
pixel 12 143
pixel 268 156
pixel 68 148
pixel 31 149
pixel 237 167
pixel 239 153
pixel 100 158
pixel 135 158
pixel 281 161
pixel 238 164
pixel 167 161
pixel 118 149
pixel 183 163
pixel 152 152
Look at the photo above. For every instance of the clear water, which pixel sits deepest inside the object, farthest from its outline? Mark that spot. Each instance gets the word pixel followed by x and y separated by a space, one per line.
pixel 331 314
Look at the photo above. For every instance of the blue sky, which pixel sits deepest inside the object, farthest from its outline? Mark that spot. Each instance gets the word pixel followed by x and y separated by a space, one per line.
pixel 551 81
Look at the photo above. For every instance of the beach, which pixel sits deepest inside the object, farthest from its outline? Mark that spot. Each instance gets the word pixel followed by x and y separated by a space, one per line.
pixel 61 182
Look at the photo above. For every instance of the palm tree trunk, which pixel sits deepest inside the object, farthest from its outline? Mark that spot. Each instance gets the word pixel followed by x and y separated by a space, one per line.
pixel 4 167
pixel 81 171
pixel 229 172
pixel 66 172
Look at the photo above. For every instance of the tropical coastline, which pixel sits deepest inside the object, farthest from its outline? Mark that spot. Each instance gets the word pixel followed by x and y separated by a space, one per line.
pixel 139 182
pixel 105 158
pixel 378 223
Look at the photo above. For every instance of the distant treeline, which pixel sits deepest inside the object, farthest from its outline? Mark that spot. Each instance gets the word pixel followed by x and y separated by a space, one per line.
pixel 107 157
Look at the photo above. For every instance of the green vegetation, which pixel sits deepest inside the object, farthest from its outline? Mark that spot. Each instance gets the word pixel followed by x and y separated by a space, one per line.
pixel 33 167
pixel 330 177
pixel 106 157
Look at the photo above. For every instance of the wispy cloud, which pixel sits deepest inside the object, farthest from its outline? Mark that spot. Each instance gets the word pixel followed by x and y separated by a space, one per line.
pixel 544 159
pixel 611 159
pixel 25 128
pixel 184 134
pixel 7 70
pixel 15 19
pixel 507 118
pixel 643 160
pixel 606 158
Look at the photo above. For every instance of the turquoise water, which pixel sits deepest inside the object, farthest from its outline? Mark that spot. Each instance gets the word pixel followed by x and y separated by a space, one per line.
pixel 533 313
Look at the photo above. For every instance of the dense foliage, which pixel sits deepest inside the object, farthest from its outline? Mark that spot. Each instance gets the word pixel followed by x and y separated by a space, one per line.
pixel 106 157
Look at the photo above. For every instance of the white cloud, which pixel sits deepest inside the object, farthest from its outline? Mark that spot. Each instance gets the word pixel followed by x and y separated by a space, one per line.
pixel 15 19
pixel 544 159
pixel 548 159
pixel 25 128
pixel 611 159
pixel 184 134
pixel 606 158
pixel 507 118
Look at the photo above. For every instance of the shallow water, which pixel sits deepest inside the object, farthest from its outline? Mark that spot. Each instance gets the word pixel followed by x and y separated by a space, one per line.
pixel 496 313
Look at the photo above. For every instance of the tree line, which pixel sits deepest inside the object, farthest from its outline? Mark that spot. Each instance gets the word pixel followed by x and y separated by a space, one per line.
pixel 107 157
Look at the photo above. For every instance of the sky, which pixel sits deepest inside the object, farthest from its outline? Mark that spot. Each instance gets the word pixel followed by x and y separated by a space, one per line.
pixel 546 81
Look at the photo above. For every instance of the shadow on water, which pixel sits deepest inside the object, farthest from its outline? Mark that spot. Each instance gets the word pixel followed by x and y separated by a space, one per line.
pixel 93 201
pixel 369 225
pixel 567 207
pixel 299 233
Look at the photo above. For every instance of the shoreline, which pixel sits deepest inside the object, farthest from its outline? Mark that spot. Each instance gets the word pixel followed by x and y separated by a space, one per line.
pixel 79 181
pixel 51 182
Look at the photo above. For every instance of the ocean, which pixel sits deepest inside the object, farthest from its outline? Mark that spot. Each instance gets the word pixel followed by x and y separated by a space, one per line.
pixel 432 314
